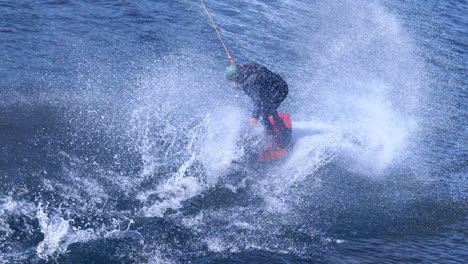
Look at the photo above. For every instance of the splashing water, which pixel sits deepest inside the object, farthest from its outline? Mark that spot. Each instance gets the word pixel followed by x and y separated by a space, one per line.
pixel 145 164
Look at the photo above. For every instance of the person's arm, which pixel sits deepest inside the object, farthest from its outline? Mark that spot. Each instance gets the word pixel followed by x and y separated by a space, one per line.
pixel 248 81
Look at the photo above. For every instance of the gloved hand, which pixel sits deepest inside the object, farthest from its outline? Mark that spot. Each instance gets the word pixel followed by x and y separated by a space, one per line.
pixel 253 121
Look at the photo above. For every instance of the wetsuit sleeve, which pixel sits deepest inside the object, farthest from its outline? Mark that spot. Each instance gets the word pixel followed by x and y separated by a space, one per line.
pixel 249 80
pixel 246 77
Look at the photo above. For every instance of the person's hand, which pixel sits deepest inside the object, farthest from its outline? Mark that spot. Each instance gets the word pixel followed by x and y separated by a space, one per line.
pixel 253 121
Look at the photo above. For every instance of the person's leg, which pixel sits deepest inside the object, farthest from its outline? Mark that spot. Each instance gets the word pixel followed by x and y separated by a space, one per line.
pixel 266 122
pixel 278 121
pixel 269 109
pixel 284 133
pixel 282 93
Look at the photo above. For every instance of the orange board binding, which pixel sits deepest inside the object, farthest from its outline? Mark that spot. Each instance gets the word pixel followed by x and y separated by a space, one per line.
pixel 278 146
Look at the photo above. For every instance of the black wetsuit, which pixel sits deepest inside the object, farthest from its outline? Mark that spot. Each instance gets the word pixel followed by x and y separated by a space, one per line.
pixel 267 90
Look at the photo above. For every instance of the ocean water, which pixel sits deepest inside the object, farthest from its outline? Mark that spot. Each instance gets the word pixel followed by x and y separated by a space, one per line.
pixel 120 137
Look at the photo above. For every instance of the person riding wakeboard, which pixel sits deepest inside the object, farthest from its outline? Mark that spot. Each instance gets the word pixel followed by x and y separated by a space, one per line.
pixel 266 88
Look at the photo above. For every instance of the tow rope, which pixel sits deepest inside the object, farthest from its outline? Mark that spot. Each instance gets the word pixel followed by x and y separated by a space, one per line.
pixel 217 32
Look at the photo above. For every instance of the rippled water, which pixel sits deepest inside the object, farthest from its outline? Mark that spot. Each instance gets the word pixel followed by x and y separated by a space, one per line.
pixel 119 136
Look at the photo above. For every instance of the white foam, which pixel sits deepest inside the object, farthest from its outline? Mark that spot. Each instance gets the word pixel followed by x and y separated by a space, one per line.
pixel 219 147
pixel 314 146
pixel 157 259
pixel 11 207
pixel 363 80
pixel 213 142
pixel 175 190
pixel 58 235
pixel 215 245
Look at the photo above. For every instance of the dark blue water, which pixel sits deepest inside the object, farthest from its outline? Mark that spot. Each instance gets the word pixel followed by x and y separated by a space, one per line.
pixel 119 136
